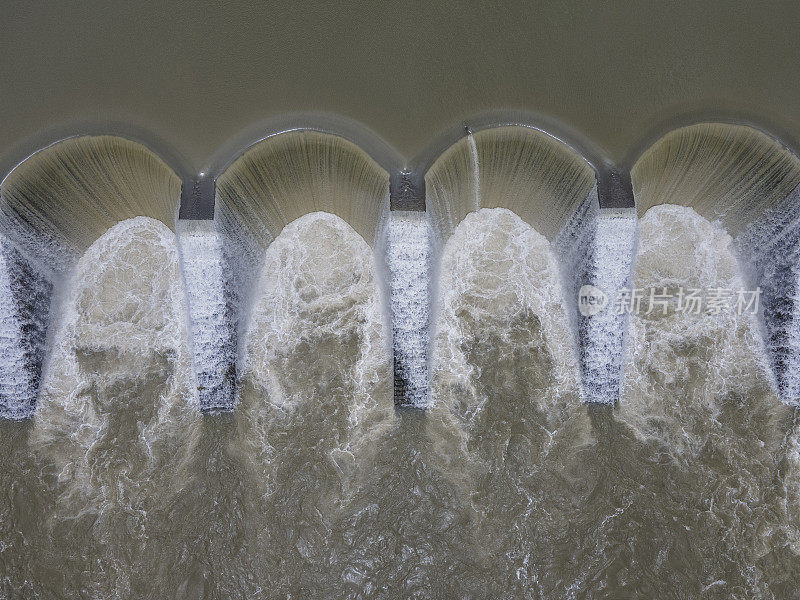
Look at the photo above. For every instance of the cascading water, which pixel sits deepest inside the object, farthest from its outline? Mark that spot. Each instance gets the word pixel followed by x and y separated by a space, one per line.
pixel 54 206
pixel 507 425
pixel 745 180
pixel 679 478
pixel 598 246
pixel 769 250
pixel 279 180
pixel 23 329
pixel 693 384
pixel 698 387
pixel 550 187
pixel 116 418
pixel 315 400
pixel 409 256
pixel 522 169
pixel 210 313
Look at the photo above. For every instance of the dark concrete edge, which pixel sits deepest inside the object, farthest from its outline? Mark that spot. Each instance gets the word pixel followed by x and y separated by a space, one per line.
pixel 614 188
pixel 406 190
pixel 197 199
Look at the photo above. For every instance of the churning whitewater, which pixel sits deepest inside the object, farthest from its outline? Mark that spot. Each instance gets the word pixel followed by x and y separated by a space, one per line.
pixel 508 484
pixel 213 405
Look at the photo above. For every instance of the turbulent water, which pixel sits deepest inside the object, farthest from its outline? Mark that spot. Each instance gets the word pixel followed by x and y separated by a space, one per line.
pixel 89 482
pixel 507 486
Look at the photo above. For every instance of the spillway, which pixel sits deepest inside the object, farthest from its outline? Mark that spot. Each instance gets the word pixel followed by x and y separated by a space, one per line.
pixel 553 189
pixel 275 182
pixel 55 204
pixel 25 316
pixel 409 258
pixel 210 312
pixel 324 374
pixel 744 181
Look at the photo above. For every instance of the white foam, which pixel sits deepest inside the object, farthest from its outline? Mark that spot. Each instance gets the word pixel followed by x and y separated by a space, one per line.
pixel 24 312
pixel 596 247
pixel 497 270
pixel 603 334
pixel 409 256
pixel 116 396
pixel 682 366
pixel 769 249
pixel 318 280
pixel 316 375
pixel 213 345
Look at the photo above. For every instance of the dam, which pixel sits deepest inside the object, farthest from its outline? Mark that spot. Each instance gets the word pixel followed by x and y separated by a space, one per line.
pixel 319 367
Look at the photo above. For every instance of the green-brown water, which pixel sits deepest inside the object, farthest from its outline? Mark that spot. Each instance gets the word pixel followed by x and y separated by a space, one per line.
pixel 196 75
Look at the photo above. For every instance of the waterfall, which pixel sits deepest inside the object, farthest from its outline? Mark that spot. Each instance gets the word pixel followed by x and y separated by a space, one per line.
pixel 603 339
pixel 743 180
pixel 53 206
pixel 210 313
pixel 535 176
pixel 596 249
pixel 24 314
pixel 409 255
pixel 769 249
pixel 279 180
pixel 525 170
pixel 570 445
